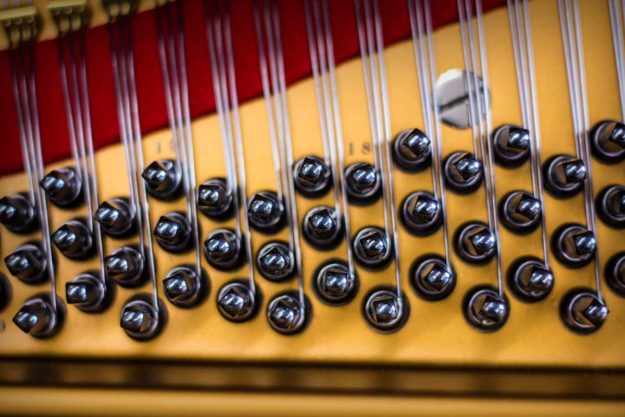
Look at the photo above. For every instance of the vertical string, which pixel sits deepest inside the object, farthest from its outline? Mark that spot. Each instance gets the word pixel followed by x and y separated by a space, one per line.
pixel 616 23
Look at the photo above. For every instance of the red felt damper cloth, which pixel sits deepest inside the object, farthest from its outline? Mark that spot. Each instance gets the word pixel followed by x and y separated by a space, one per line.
pixel 152 109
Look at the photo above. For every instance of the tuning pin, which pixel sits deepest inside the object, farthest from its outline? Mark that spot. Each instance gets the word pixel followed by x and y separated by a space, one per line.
pixel 421 213
pixel 583 311
pixel 512 145
pixel 335 284
pixel 362 183
pixel 183 287
pixel 17 214
pixel 574 245
pixel 275 261
pixel 74 240
pixel 173 232
pixel 88 293
pixel 286 314
pixel 520 211
pixel 463 172
pixel 28 263
pixel 38 318
pixel 140 319
pixel 116 217
pixel 5 292
pixel 223 250
pixel 163 179
pixel 564 175
pixel 321 228
pixel 432 278
pixel 63 187
pixel 530 279
pixel 486 309
pixel 236 302
pixel 312 177
pixel 385 310
pixel 266 212
pixel 475 243
pixel 611 205
pixel 126 267
pixel 615 273
pixel 607 140
pixel 411 150
pixel 372 247
pixel 215 199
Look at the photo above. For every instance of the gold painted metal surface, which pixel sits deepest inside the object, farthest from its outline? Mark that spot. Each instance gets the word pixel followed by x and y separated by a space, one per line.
pixel 436 332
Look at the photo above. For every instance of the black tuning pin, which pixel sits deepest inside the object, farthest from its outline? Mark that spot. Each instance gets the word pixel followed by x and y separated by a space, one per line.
pixel 607 141
pixel 74 240
pixel 411 150
pixel 286 314
pixel 432 278
pixel 38 318
pixel 564 175
pixel 321 228
pixel 116 217
pixel 362 183
pixel 5 292
pixel 520 211
pixel 512 145
pixel 163 179
pixel 421 213
pixel 385 310
pixel 126 267
pixel 266 212
pixel 184 288
pixel 236 302
pixel 615 273
pixel 475 242
pixel 372 247
pixel 486 309
pixel 63 187
pixel 215 200
pixel 223 250
pixel 574 245
pixel 173 232
pixel 335 284
pixel 610 205
pixel 312 176
pixel 17 214
pixel 463 172
pixel 275 261
pixel 140 319
pixel 88 293
pixel 583 311
pixel 28 263
pixel 530 279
